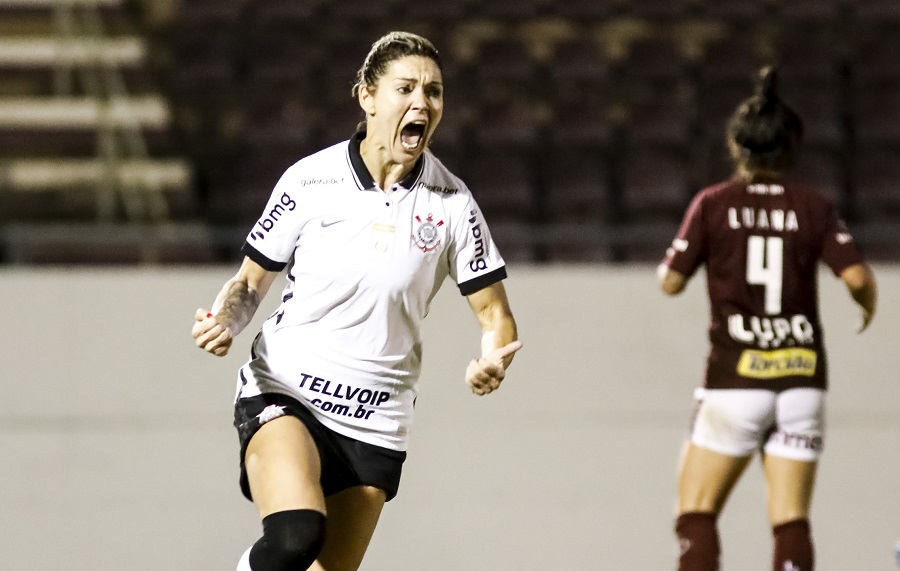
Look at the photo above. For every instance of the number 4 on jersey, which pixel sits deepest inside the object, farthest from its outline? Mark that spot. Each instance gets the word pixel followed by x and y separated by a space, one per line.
pixel 764 267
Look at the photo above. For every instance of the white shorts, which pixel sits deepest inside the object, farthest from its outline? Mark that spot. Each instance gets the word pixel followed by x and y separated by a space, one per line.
pixel 737 422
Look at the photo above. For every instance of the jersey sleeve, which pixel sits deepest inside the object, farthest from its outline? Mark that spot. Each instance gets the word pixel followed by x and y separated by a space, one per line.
pixel 272 240
pixel 689 248
pixel 474 260
pixel 839 251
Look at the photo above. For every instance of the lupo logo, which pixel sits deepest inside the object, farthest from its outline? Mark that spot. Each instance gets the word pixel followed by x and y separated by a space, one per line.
pixel 269 220
pixel 478 263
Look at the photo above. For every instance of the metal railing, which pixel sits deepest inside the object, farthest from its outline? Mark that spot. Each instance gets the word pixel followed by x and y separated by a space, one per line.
pixel 119 138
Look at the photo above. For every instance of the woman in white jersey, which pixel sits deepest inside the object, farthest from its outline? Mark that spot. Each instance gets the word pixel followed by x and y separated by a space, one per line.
pixel 369 228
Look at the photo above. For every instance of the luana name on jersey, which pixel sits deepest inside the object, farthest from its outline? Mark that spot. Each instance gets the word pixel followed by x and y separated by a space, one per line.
pixel 762 219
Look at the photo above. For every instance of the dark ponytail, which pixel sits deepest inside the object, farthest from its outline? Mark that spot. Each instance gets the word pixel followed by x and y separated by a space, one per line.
pixel 767 89
pixel 766 130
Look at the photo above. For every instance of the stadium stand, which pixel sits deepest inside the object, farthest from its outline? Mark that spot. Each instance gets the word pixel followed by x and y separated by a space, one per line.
pixel 583 126
pixel 80 126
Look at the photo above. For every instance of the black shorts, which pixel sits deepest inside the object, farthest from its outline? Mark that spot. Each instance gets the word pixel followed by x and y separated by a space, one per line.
pixel 346 462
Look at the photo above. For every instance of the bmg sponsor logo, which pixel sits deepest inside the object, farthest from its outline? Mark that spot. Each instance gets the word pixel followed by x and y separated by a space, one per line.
pixel 478 262
pixel 285 203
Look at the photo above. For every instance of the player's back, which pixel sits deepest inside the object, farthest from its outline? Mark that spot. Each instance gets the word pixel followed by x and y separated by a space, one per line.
pixel 764 244
pixel 761 244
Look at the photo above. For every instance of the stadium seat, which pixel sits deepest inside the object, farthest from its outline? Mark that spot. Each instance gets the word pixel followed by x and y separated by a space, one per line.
pixel 713 164
pixel 446 11
pixel 876 114
pixel 504 66
pixel 881 12
pixel 449 144
pixel 585 10
pixel 808 12
pixel 660 121
pixel 201 13
pixel 655 58
pixel 502 182
pixel 658 10
pixel 361 11
pixel 733 58
pixel 825 172
pixel 582 123
pixel 509 11
pixel 820 106
pixel 576 185
pixel 503 124
pixel 204 68
pixel 513 240
pixel 716 104
pixel 451 155
pixel 578 243
pixel 281 61
pixel 339 120
pixel 810 57
pixel 876 56
pixel 267 15
pixel 578 66
pixel 876 172
pixel 735 12
pixel 343 61
pixel 287 127
pixel 654 185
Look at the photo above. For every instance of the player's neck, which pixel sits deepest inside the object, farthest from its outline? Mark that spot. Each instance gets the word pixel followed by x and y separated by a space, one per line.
pixel 757 176
pixel 385 171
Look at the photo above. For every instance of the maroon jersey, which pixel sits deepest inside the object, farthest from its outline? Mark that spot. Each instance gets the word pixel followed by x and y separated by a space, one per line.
pixel 761 244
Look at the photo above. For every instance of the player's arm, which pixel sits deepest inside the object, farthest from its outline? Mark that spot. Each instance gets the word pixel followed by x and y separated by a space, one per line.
pixel 234 307
pixel 499 338
pixel 688 249
pixel 671 281
pixel 860 281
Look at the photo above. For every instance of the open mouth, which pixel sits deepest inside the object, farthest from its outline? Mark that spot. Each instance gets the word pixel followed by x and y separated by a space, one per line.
pixel 412 135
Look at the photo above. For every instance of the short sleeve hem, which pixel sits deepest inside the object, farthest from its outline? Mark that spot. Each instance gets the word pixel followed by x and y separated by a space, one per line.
pixel 481 282
pixel 261 259
pixel 682 266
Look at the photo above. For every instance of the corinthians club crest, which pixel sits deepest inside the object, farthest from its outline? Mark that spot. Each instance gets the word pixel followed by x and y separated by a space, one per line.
pixel 425 237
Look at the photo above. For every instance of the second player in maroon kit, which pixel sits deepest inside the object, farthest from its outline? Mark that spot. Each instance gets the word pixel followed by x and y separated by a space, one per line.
pixel 761 236
pixel 761 244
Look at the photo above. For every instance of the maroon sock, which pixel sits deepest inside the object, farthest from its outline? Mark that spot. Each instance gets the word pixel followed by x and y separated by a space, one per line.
pixel 698 542
pixel 793 546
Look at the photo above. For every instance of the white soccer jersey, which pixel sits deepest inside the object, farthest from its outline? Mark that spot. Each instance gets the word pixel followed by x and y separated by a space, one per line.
pixel 364 267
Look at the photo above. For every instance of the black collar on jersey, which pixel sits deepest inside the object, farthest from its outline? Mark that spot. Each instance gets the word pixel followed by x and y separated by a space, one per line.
pixel 363 177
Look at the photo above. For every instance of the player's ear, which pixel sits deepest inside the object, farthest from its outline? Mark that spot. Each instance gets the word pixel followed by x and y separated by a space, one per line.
pixel 366 96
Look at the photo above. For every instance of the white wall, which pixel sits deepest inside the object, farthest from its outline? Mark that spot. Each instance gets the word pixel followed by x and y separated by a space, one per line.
pixel 118 449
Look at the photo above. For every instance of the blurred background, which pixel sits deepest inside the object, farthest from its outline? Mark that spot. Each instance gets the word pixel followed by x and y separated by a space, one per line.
pixel 152 131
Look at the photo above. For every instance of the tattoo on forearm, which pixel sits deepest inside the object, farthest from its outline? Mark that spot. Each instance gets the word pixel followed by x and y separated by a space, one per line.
pixel 239 305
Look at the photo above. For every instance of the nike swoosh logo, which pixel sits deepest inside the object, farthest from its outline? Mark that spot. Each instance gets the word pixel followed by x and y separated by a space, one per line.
pixel 331 221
